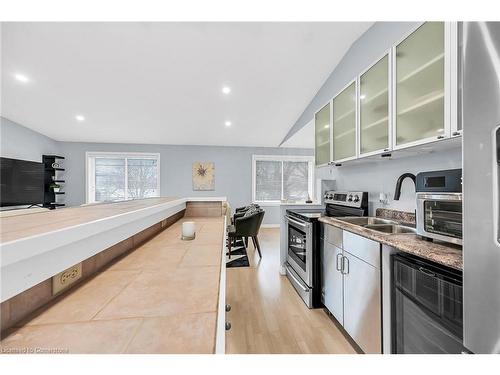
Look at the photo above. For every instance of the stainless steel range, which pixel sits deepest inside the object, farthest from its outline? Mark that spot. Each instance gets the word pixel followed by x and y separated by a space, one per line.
pixel 303 234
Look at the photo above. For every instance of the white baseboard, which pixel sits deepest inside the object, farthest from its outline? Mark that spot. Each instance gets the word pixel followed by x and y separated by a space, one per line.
pixel 270 226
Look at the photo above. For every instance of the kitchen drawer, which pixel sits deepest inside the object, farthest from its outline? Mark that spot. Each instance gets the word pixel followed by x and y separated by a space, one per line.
pixel 333 235
pixel 363 248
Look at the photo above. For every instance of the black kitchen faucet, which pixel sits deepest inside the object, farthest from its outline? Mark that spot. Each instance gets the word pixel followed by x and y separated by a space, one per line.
pixel 397 192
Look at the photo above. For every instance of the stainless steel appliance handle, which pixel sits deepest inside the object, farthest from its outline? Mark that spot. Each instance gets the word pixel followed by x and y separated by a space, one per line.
pixel 303 225
pixel 337 266
pixel 343 265
pixel 440 196
pixel 496 184
pixel 426 272
pixel 290 273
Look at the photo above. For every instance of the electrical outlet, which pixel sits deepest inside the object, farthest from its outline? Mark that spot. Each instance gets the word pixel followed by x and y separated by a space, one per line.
pixel 66 278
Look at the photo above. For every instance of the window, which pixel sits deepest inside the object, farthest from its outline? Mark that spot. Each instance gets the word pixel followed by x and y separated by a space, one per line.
pixel 277 178
pixel 116 176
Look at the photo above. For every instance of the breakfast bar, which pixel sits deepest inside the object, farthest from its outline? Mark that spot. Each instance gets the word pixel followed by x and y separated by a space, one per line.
pixel 135 274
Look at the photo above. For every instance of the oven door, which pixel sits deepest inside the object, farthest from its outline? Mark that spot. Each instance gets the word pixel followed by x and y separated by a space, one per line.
pixel 439 216
pixel 299 248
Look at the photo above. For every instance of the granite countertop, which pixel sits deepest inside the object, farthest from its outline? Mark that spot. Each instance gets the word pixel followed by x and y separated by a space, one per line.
pixel 442 253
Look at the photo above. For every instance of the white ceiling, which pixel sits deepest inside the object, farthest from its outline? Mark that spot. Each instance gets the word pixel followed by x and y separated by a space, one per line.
pixel 161 82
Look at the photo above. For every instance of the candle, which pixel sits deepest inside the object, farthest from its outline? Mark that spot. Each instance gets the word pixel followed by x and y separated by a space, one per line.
pixel 188 230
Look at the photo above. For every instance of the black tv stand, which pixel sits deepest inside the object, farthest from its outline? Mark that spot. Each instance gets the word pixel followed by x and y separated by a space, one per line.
pixel 51 176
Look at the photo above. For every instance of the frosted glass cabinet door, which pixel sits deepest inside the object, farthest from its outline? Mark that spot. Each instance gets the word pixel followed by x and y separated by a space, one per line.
pixel 374 107
pixel 420 84
pixel 322 135
pixel 344 124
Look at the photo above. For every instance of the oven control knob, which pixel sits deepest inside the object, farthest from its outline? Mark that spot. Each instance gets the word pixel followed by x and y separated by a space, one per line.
pixel 356 198
pixel 349 199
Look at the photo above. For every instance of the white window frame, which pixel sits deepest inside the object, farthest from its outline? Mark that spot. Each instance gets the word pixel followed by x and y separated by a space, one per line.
pixel 90 169
pixel 282 158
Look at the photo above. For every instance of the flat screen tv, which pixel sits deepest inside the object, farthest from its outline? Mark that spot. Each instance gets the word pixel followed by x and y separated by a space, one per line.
pixel 21 182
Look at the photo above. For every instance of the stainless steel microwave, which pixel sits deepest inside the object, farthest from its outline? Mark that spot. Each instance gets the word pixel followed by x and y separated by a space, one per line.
pixel 439 205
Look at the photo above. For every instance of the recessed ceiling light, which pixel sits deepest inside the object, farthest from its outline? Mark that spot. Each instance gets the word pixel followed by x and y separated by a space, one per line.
pixel 21 77
pixel 79 118
pixel 228 123
pixel 362 97
pixel 226 90
pixel 327 126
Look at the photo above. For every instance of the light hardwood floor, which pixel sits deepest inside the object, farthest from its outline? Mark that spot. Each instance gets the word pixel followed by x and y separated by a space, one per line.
pixel 268 316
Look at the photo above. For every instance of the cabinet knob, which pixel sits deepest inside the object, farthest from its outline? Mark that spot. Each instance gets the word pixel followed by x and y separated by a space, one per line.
pixel 228 307
pixel 228 326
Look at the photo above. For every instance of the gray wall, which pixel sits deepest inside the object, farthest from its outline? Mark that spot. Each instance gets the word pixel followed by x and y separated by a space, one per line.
pixel 363 52
pixel 18 142
pixel 233 165
pixel 233 170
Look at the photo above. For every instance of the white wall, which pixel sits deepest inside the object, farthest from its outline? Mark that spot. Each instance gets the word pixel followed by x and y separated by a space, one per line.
pixel 19 142
pixel 380 176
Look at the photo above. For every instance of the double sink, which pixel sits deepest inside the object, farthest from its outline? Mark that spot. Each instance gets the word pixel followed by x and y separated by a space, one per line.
pixel 380 225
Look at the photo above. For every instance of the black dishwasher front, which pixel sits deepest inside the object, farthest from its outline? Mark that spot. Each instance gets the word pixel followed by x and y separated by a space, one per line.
pixel 427 314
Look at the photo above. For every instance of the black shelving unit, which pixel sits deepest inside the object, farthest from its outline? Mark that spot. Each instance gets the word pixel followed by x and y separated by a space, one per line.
pixel 49 200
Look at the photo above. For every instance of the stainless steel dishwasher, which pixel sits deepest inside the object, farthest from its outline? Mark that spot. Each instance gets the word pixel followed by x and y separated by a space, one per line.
pixel 351 288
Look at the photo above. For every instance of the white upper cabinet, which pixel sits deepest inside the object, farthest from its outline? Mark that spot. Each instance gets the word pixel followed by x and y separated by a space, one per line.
pixel 409 97
pixel 420 86
pixel 322 130
pixel 344 124
pixel 374 104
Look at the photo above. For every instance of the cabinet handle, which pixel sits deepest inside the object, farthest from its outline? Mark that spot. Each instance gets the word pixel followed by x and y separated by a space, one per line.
pixel 339 266
pixel 456 133
pixel 228 307
pixel 228 326
pixel 427 272
pixel 440 137
pixel 343 265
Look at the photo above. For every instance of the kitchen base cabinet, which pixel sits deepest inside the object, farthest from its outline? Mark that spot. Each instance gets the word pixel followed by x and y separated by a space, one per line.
pixel 351 286
pixel 362 318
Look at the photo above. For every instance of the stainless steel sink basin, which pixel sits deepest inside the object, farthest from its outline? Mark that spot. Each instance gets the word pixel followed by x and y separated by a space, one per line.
pixel 365 220
pixel 392 228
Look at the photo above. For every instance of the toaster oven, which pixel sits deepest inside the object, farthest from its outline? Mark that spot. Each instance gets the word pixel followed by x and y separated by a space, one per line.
pixel 439 205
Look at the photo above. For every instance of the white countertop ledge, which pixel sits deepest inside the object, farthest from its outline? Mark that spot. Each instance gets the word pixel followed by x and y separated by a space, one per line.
pixel 27 261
